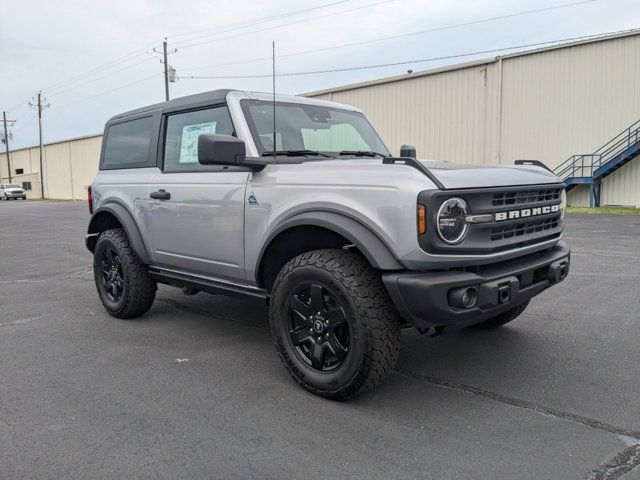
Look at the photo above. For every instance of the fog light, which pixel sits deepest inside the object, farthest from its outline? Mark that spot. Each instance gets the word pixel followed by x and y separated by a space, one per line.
pixel 465 297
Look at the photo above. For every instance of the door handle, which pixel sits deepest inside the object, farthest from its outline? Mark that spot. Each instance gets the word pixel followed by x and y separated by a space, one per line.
pixel 161 194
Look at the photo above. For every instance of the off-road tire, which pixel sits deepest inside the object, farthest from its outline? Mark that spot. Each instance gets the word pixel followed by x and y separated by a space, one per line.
pixel 373 322
pixel 139 288
pixel 503 318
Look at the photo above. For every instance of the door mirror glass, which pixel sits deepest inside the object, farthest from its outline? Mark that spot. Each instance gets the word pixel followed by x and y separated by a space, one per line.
pixel 220 150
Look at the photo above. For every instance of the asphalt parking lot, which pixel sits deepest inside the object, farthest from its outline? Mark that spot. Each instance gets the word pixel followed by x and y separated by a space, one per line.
pixel 194 389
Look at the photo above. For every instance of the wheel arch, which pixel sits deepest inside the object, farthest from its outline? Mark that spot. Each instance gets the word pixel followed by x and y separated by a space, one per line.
pixel 115 215
pixel 315 230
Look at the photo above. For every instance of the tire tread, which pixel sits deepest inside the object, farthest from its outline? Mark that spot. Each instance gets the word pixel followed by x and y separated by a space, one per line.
pixel 141 288
pixel 373 306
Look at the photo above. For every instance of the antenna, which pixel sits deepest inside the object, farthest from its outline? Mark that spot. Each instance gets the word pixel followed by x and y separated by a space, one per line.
pixel 273 70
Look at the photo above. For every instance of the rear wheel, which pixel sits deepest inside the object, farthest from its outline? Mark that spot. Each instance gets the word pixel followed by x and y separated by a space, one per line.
pixel 123 282
pixel 335 327
pixel 503 318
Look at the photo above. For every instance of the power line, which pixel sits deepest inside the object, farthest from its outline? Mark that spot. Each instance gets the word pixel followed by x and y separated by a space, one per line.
pixel 393 37
pixel 21 104
pixel 101 77
pixel 155 75
pixel 134 55
pixel 141 51
pixel 22 127
pixel 291 23
pixel 96 70
pixel 255 21
pixel 392 64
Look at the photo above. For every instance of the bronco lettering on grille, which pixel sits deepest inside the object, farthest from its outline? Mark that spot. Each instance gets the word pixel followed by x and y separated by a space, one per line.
pixel 526 212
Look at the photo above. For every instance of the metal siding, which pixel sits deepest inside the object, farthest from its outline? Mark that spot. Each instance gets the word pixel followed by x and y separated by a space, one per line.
pixel 578 196
pixel 545 106
pixel 447 116
pixel 85 155
pixel 622 187
pixel 569 101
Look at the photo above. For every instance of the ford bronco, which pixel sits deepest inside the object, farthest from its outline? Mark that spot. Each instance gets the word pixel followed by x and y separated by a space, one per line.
pixel 299 202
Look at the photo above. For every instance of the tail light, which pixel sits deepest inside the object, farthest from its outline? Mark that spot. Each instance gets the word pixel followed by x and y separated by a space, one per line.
pixel 90 199
pixel 422 219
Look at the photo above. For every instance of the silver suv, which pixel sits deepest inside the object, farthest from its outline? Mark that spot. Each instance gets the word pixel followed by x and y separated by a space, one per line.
pixel 304 206
pixel 12 191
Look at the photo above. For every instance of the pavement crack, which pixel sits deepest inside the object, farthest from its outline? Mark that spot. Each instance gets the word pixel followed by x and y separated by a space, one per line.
pixel 23 320
pixel 516 402
pixel 80 274
pixel 621 464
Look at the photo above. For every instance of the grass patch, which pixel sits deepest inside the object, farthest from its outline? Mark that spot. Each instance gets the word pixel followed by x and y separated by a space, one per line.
pixel 607 210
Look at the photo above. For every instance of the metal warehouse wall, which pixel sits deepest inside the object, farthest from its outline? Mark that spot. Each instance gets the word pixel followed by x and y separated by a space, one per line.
pixel 69 166
pixel 546 105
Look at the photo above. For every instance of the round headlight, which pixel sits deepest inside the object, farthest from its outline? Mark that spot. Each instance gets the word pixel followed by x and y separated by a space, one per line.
pixel 451 223
pixel 563 204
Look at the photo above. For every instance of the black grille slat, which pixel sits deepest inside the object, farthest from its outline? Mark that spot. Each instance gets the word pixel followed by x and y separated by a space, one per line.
pixel 527 197
pixel 524 228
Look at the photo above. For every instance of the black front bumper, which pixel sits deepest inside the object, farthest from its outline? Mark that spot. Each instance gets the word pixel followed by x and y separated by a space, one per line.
pixel 423 299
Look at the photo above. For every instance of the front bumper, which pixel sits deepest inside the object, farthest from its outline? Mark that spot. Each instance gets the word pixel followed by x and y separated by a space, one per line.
pixel 15 195
pixel 423 299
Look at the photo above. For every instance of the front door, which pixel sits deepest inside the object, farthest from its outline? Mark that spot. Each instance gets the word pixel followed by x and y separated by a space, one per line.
pixel 196 214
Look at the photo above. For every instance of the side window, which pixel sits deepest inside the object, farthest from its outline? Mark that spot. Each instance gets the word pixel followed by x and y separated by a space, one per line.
pixel 182 132
pixel 127 143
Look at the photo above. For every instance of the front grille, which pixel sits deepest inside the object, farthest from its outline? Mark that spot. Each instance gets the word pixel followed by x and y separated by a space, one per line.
pixel 528 227
pixel 527 197
pixel 524 228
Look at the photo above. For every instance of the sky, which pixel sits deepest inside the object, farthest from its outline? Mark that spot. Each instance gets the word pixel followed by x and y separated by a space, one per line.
pixel 92 60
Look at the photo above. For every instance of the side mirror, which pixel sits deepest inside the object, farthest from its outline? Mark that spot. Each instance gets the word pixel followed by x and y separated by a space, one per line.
pixel 220 150
pixel 408 151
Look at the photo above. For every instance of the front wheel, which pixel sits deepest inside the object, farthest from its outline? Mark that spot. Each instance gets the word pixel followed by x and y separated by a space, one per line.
pixel 123 282
pixel 335 327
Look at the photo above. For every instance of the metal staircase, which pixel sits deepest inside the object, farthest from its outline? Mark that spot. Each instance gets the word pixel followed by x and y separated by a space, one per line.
pixel 591 168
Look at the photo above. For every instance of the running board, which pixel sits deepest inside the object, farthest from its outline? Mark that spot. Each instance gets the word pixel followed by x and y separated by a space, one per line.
pixel 206 284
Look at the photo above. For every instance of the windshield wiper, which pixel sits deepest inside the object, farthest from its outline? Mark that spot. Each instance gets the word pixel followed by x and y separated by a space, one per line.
pixel 294 153
pixel 361 153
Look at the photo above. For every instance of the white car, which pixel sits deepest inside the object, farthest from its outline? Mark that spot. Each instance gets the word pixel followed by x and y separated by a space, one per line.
pixel 13 191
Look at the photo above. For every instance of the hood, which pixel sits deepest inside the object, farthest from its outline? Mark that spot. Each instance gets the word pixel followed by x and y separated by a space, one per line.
pixel 455 175
pixel 14 189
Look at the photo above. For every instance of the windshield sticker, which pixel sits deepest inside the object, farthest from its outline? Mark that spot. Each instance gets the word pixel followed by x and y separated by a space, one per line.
pixel 189 141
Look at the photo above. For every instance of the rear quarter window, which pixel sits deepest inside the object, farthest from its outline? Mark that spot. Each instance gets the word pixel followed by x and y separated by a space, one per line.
pixel 127 144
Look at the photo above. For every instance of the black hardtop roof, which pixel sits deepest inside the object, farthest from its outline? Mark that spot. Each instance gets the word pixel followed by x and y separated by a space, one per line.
pixel 211 97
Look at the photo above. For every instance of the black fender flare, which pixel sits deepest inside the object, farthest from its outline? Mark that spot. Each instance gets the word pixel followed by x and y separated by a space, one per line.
pixel 99 221
pixel 372 247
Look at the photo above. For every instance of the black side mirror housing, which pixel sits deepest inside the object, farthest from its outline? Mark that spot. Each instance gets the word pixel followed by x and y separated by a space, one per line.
pixel 408 151
pixel 220 150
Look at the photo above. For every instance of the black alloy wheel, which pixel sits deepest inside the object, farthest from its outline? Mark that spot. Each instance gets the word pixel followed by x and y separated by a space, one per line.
pixel 124 285
pixel 112 276
pixel 318 326
pixel 335 328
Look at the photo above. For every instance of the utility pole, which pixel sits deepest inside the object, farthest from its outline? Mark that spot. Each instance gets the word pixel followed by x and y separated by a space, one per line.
pixel 169 71
pixel 39 106
pixel 166 69
pixel 6 141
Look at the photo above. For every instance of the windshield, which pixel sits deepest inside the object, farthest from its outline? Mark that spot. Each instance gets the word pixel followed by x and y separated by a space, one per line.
pixel 311 128
pixel 12 185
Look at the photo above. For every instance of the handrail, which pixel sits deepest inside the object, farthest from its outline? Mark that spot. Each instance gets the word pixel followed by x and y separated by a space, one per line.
pixel 584 165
